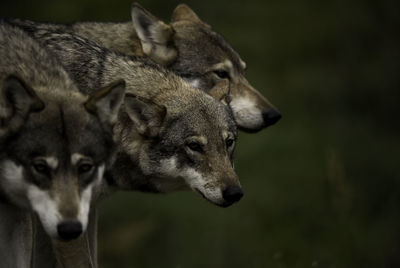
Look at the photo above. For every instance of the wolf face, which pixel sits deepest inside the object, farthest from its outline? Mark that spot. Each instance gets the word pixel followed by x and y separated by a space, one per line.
pixel 57 157
pixel 190 146
pixel 190 48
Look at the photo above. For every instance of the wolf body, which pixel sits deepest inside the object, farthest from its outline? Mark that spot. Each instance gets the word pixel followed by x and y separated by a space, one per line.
pixel 188 47
pixel 56 144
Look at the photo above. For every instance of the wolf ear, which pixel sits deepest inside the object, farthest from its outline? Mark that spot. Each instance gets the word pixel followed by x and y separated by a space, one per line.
pixel 106 102
pixel 17 101
pixel 155 36
pixel 221 91
pixel 147 116
pixel 183 12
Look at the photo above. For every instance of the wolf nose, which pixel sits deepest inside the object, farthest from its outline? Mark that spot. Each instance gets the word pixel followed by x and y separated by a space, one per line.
pixel 68 230
pixel 271 116
pixel 232 194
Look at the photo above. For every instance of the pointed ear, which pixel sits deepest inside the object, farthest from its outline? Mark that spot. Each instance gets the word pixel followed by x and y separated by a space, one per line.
pixel 147 116
pixel 17 101
pixel 221 91
pixel 155 36
pixel 106 102
pixel 183 12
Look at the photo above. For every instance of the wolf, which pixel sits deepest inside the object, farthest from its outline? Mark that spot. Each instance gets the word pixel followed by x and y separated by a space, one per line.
pixel 190 48
pixel 170 136
pixel 56 143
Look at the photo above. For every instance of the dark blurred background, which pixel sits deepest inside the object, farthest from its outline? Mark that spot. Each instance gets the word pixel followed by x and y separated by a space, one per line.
pixel 322 187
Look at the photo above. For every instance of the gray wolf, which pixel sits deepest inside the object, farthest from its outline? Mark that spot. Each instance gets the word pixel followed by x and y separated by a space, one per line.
pixel 56 144
pixel 170 136
pixel 190 48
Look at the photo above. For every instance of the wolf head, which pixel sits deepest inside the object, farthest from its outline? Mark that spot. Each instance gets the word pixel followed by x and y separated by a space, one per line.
pixel 56 152
pixel 181 141
pixel 193 50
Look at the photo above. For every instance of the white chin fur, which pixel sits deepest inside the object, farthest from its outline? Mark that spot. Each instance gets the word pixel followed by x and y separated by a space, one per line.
pixel 86 198
pixel 46 208
pixel 246 114
pixel 85 206
pixel 194 179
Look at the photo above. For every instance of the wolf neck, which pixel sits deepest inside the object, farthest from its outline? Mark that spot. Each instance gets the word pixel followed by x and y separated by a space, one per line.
pixel 119 37
pixel 126 175
pixel 16 236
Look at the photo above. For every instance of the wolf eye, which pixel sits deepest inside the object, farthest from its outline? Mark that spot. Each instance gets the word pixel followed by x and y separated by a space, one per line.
pixel 195 146
pixel 229 142
pixel 222 74
pixel 84 168
pixel 41 168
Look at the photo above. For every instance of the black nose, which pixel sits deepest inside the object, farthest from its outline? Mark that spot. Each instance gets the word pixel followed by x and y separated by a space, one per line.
pixel 232 194
pixel 271 116
pixel 68 230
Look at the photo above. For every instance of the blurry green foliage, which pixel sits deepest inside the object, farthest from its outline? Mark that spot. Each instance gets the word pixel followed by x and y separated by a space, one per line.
pixel 322 187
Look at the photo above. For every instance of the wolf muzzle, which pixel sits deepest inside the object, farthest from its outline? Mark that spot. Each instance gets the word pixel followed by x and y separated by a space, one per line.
pixel 68 230
pixel 271 117
pixel 231 195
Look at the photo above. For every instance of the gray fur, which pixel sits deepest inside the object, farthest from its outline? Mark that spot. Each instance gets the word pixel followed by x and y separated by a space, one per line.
pixel 15 236
pixel 188 47
pixel 188 112
pixel 47 122
pixel 161 115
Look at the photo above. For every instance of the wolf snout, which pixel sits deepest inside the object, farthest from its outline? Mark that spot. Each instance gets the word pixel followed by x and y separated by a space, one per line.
pixel 69 230
pixel 271 116
pixel 232 194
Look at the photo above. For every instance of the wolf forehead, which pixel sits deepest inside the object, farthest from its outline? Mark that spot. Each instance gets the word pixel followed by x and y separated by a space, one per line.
pixel 62 129
pixel 195 41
